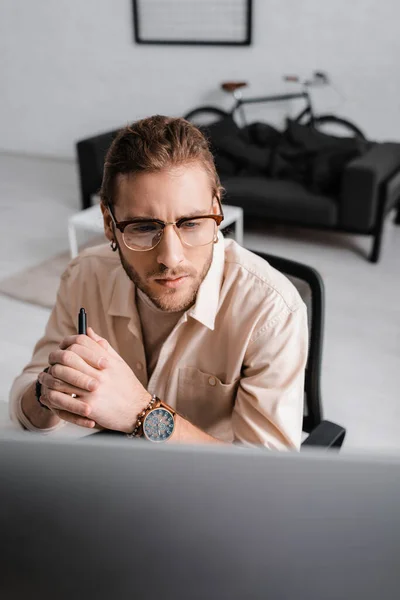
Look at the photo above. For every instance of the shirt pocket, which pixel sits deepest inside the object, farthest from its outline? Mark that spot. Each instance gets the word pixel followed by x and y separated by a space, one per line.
pixel 206 401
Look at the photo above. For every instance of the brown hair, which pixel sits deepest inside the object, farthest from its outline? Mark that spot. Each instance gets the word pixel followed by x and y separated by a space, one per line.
pixel 153 144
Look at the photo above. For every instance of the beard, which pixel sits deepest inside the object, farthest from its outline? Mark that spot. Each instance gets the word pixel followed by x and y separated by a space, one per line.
pixel 169 300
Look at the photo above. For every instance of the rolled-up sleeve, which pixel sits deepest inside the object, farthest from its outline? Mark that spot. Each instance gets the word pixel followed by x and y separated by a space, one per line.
pixel 59 325
pixel 269 403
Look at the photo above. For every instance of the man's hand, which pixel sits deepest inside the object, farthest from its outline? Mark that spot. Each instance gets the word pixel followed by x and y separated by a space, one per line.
pixel 107 391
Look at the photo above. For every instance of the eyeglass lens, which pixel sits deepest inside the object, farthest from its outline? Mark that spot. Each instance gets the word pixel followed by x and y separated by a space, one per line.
pixel 147 234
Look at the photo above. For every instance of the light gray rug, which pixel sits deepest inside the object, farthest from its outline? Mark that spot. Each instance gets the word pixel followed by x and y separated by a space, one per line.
pixel 39 284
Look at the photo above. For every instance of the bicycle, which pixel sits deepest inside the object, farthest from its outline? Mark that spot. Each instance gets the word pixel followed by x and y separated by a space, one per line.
pixel 306 117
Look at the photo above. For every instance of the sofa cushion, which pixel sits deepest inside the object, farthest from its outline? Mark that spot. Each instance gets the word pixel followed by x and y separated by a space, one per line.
pixel 328 155
pixel 317 141
pixel 233 150
pixel 280 200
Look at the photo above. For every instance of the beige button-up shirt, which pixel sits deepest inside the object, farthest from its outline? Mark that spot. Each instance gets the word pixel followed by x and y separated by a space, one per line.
pixel 234 363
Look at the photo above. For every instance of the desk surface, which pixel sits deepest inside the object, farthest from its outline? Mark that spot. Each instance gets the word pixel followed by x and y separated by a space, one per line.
pixel 5 422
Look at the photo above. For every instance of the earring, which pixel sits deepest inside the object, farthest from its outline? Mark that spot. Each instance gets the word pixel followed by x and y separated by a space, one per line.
pixel 113 246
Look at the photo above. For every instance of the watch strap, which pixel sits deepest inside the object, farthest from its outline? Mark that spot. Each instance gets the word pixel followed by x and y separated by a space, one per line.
pixel 166 406
pixel 138 428
pixel 38 390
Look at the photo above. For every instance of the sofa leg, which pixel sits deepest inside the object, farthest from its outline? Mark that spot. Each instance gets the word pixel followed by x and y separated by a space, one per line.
pixel 397 217
pixel 378 229
pixel 378 234
pixel 86 201
pixel 376 248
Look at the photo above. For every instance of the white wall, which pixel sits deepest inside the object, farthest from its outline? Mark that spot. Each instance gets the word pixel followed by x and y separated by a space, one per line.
pixel 70 68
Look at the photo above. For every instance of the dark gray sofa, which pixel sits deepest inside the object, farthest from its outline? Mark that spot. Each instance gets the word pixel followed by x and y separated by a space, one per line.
pixel 370 188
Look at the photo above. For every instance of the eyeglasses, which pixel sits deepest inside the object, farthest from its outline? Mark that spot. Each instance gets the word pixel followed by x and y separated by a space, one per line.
pixel 142 235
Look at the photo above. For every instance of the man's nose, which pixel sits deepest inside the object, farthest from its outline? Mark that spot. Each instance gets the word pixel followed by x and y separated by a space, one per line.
pixel 170 249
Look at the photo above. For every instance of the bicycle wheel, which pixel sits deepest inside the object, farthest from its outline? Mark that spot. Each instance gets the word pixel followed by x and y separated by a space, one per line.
pixel 206 115
pixel 332 125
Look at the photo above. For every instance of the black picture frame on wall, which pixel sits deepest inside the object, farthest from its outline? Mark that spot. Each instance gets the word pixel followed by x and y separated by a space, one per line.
pixel 140 36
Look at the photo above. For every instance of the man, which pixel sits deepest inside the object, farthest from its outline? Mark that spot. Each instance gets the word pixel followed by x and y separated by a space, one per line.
pixel 192 338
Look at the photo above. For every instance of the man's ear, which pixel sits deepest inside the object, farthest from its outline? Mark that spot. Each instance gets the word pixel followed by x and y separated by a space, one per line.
pixel 108 224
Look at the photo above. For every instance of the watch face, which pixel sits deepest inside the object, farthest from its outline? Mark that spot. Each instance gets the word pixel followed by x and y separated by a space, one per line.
pixel 159 425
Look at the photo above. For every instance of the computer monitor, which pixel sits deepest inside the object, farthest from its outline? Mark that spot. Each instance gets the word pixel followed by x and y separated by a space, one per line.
pixel 110 519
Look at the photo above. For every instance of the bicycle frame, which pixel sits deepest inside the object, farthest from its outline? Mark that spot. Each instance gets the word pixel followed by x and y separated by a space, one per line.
pixel 306 117
pixel 240 102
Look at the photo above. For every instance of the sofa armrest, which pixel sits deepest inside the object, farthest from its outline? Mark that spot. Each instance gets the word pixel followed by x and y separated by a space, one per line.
pixel 91 153
pixel 326 435
pixel 361 184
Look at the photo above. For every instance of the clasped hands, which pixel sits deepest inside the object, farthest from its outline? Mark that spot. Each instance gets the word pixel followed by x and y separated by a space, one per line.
pixel 108 393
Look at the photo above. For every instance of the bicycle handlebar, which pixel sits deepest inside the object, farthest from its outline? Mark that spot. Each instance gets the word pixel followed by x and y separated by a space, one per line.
pixel 318 78
pixel 292 78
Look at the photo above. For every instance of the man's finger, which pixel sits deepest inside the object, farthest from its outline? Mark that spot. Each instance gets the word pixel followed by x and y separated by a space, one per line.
pixel 81 339
pixel 103 342
pixel 97 338
pixel 58 385
pixel 79 357
pixel 60 401
pixel 75 419
pixel 74 378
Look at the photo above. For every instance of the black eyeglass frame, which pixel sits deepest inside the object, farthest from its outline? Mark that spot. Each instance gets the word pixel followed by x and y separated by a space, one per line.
pixel 121 225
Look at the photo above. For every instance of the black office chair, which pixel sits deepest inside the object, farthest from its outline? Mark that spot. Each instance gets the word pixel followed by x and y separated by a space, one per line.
pixel 311 287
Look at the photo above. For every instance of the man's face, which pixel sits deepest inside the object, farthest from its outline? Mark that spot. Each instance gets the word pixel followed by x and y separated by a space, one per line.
pixel 168 195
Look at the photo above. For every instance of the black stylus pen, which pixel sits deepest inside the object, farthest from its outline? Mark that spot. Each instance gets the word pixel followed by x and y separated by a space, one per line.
pixel 82 321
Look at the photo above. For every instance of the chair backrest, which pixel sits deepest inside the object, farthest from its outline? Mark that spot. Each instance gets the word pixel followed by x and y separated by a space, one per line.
pixel 311 288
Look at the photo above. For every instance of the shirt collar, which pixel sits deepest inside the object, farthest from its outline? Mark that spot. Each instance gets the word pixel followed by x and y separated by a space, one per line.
pixel 122 300
pixel 122 297
pixel 206 306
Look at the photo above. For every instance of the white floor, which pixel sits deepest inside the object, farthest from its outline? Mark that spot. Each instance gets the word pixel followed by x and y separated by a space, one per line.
pixel 361 371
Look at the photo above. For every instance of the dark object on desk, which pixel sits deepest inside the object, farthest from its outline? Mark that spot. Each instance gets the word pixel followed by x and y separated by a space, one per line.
pixel 112 520
pixel 310 286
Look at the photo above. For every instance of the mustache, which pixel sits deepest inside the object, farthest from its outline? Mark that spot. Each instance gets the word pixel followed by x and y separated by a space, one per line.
pixel 165 274
pixel 172 276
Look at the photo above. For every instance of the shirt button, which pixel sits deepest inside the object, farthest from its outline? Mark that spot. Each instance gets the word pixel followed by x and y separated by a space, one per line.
pixel 139 366
pixel 212 381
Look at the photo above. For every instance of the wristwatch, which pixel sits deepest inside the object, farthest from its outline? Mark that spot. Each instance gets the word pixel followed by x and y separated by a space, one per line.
pixel 156 423
pixel 159 423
